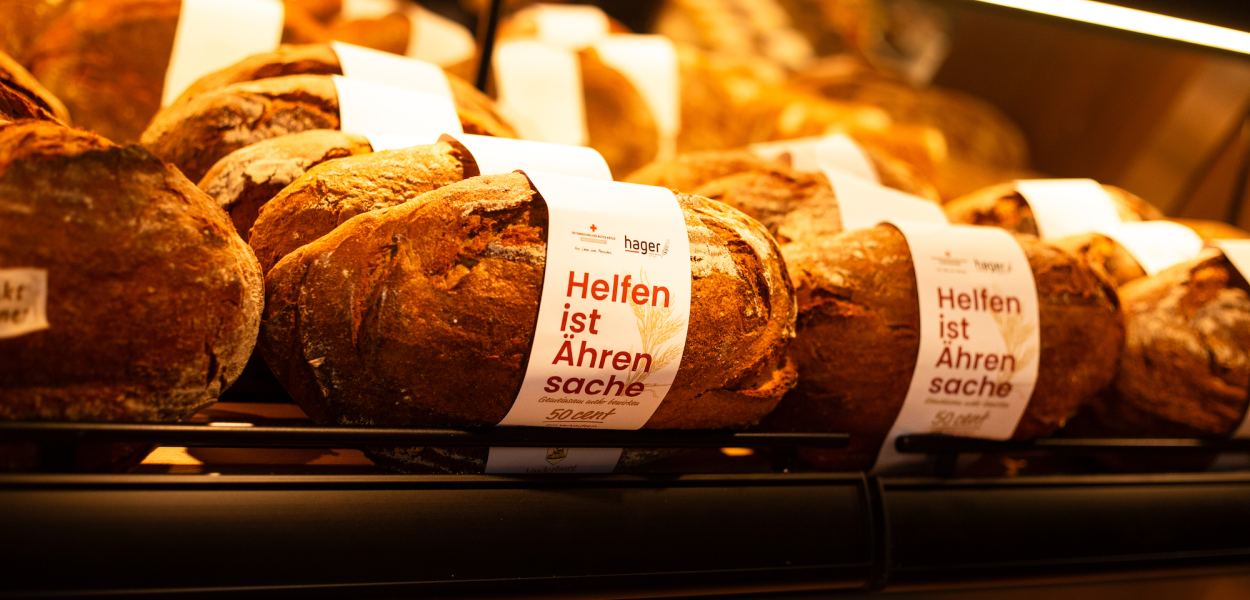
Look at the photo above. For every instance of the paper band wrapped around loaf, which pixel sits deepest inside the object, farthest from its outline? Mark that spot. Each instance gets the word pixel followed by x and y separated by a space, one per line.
pixel 194 134
pixel 153 302
pixel 423 313
pixel 1003 206
pixel 858 338
pixel 1185 369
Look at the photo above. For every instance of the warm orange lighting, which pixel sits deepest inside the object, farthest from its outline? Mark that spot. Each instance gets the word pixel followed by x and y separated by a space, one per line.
pixel 1138 21
pixel 737 452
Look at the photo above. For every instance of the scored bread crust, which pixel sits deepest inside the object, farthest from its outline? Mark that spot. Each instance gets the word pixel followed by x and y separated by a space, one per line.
pixel 1002 206
pixel 153 301
pixel 331 193
pixel 858 338
pixel 477 112
pixel 244 180
pixel 22 97
pixel 1185 369
pixel 424 313
pixel 197 133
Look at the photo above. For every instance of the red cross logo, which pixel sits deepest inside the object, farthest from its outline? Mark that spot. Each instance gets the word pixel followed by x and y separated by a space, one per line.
pixel 593 228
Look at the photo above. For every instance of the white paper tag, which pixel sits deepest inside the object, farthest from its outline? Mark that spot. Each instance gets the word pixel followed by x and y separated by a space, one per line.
pixel 23 301
pixel 979 335
pixel 615 306
pixel 367 9
pixel 1156 245
pixel 1063 207
pixel 864 204
pixel 373 109
pixel 540 88
pixel 552 461
pixel 214 34
pixel 375 66
pixel 572 26
pixel 837 151
pixel 649 62
pixel 438 39
pixel 495 155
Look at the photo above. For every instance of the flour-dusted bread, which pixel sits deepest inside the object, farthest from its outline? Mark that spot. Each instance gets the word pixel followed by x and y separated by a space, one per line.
pixel 1002 206
pixel 858 338
pixel 244 180
pixel 336 191
pixel 21 97
pixel 107 59
pixel 1185 370
pixel 423 313
pixel 153 301
pixel 197 132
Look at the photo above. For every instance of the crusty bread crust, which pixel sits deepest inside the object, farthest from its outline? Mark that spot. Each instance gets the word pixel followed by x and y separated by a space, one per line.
pixel 1002 206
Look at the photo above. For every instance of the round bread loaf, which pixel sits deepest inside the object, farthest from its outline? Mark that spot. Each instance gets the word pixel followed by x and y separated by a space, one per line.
pixel 153 301
pixel 1104 255
pixel 476 110
pixel 244 180
pixel 334 192
pixel 1185 370
pixel 423 313
pixel 858 339
pixel 21 97
pixel 1003 206
pixel 107 59
pixel 198 131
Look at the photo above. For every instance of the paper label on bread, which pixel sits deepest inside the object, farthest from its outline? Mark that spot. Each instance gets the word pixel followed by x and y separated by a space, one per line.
pixel 837 151
pixel 353 10
pixel 1156 245
pixel 615 306
pixel 23 301
pixel 367 64
pixel 571 26
pixel 1063 207
pixel 649 62
pixel 979 335
pixel 214 34
pixel 864 204
pixel 496 155
pixel 372 109
pixel 551 461
pixel 438 39
pixel 540 91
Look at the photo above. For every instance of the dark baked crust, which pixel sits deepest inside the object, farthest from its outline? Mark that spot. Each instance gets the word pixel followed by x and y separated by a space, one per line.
pixel 1185 369
pixel 1104 255
pixel 858 338
pixel 334 192
pixel 423 313
pixel 154 301
pixel 106 59
pixel 1002 206
pixel 244 180
pixel 21 97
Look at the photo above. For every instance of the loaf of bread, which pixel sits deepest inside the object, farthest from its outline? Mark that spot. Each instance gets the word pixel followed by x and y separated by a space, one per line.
pixel 247 178
pixel 858 339
pixel 423 314
pixel 21 97
pixel 1185 370
pixel 336 191
pixel 1104 255
pixel 476 110
pixel 1214 230
pixel 107 59
pixel 153 301
pixel 198 131
pixel 1003 206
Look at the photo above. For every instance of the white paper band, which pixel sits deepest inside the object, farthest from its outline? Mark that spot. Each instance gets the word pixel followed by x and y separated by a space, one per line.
pixel 837 151
pixel 1156 245
pixel 495 155
pixel 438 39
pixel 864 204
pixel 572 26
pixel 23 301
pixel 367 64
pixel 649 62
pixel 372 109
pixel 1063 207
pixel 368 9
pixel 979 335
pixel 615 306
pixel 214 34
pixel 540 88
pixel 551 461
